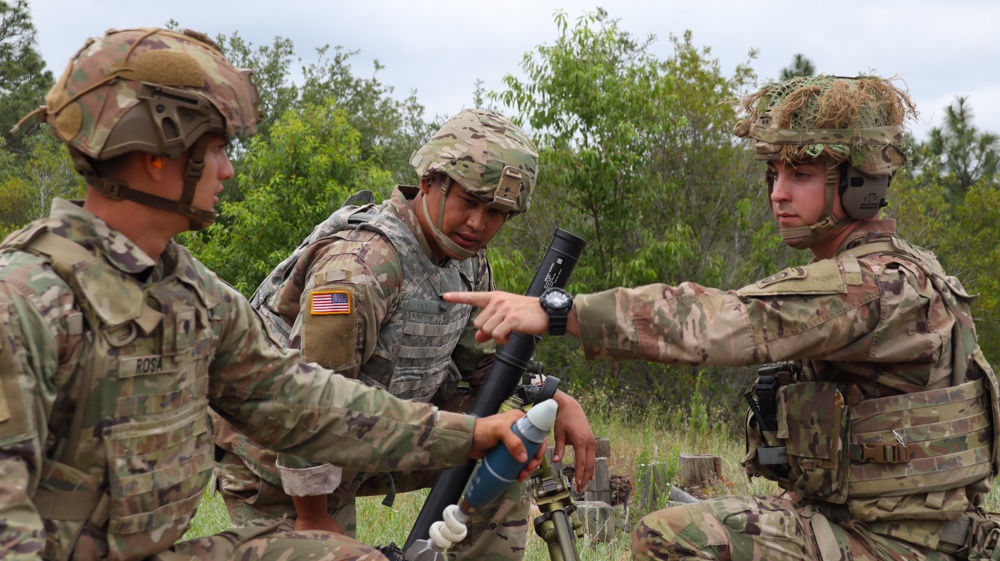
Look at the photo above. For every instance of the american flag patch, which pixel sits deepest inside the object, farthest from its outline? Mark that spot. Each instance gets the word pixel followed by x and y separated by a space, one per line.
pixel 330 302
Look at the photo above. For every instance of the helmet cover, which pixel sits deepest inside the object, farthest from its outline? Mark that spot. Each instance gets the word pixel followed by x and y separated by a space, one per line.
pixel 486 154
pixel 855 120
pixel 149 89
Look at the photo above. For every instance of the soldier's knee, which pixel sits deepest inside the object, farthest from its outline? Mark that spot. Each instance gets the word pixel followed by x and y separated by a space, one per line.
pixel 661 535
pixel 646 543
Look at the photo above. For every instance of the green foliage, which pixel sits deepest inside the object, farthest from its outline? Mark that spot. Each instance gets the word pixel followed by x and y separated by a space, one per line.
pixel 29 182
pixel 801 66
pixel 23 77
pixel 390 128
pixel 294 179
pixel 271 66
pixel 637 157
pixel 33 167
pixel 588 97
pixel 972 252
pixel 965 154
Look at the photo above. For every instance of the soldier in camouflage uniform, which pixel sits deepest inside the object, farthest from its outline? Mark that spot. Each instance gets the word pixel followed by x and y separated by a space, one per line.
pixel 115 341
pixel 373 275
pixel 884 418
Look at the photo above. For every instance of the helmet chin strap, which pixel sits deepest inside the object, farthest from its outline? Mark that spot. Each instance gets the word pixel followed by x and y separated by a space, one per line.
pixel 443 240
pixel 827 222
pixel 118 190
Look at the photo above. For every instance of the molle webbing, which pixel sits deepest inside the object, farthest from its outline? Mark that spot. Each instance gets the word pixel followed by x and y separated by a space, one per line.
pixel 921 442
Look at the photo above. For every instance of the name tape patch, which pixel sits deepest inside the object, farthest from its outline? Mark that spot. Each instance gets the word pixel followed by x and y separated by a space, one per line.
pixel 330 302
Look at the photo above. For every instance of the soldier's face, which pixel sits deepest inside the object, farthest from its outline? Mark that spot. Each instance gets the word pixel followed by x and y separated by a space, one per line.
pixel 217 169
pixel 468 221
pixel 799 193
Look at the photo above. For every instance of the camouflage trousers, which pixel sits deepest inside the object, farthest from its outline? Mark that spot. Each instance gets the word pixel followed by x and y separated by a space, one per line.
pixel 269 544
pixel 498 532
pixel 764 528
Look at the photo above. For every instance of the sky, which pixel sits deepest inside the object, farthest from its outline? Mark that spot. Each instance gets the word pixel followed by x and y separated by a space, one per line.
pixel 939 50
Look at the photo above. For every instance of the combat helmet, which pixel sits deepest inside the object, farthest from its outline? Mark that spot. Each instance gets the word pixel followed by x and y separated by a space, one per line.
pixel 488 156
pixel 150 90
pixel 856 124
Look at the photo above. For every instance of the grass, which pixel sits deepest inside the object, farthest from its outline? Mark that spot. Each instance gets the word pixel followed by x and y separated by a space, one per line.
pixel 654 436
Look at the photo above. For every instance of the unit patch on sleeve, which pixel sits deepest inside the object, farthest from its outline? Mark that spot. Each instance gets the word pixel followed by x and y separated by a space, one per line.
pixel 330 302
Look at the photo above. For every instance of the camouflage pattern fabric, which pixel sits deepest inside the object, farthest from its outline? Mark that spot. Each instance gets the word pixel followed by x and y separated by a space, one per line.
pixel 827 313
pixel 763 529
pixel 91 429
pixel 394 288
pixel 863 327
pixel 265 544
pixel 858 120
pixel 474 148
pixel 84 115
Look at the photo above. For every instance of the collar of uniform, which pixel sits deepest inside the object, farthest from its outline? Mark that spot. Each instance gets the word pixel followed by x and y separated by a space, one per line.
pixel 858 236
pixel 399 204
pixel 81 226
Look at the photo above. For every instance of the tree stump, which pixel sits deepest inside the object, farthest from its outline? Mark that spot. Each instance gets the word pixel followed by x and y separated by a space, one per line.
pixel 597 519
pixel 599 488
pixel 602 449
pixel 696 470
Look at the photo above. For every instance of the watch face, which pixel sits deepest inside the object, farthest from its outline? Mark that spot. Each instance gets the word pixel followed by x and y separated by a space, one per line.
pixel 557 299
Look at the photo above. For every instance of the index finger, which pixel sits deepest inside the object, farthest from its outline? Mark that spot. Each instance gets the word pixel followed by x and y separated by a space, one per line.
pixel 478 299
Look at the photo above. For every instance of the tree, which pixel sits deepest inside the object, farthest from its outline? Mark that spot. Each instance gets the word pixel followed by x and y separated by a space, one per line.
pixel 271 66
pixel 23 77
pixel 390 128
pixel 587 97
pixel 801 66
pixel 29 182
pixel 637 157
pixel 965 154
pixel 309 164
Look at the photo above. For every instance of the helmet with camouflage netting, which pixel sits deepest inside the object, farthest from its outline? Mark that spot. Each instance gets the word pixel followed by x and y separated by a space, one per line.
pixel 151 90
pixel 855 124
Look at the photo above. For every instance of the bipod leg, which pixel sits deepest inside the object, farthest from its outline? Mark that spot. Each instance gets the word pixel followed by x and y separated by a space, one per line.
pixel 558 524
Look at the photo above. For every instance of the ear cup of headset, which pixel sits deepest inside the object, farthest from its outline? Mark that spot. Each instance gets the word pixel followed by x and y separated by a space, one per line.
pixel 862 196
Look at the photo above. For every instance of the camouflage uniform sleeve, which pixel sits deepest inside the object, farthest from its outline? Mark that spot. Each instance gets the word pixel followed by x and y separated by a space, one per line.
pixel 818 311
pixel 28 362
pixel 368 273
pixel 472 358
pixel 307 411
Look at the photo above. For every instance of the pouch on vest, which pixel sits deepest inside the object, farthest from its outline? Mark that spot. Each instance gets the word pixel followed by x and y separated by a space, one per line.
pixel 813 419
pixel 985 540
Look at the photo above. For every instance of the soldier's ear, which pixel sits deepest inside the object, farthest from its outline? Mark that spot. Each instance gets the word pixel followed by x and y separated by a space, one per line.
pixel 153 164
pixel 426 183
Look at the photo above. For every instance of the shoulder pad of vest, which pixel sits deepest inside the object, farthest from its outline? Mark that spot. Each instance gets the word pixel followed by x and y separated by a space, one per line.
pixel 363 216
pixel 19 239
pixel 821 277
pixel 200 278
pixel 362 197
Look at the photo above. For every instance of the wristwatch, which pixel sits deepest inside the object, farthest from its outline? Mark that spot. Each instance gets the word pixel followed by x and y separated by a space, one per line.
pixel 557 303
